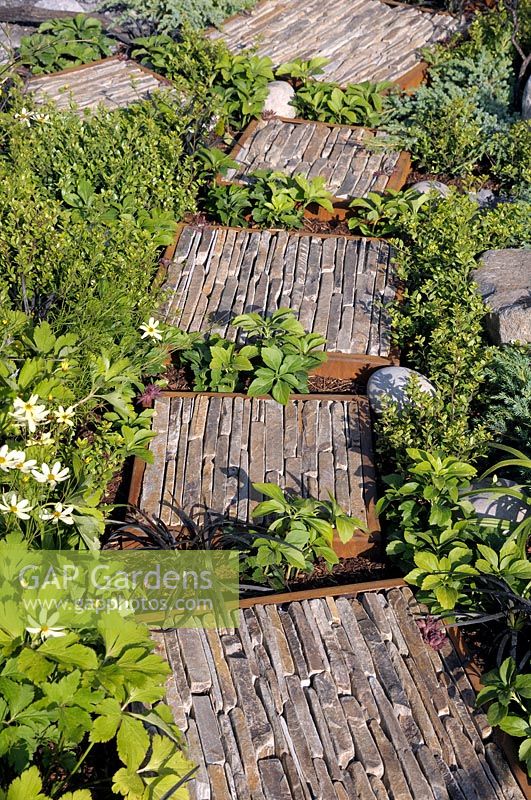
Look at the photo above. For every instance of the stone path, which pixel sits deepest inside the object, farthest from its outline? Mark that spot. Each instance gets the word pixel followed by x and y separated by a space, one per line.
pixel 338 285
pixel 113 82
pixel 365 40
pixel 335 152
pixel 210 449
pixel 330 699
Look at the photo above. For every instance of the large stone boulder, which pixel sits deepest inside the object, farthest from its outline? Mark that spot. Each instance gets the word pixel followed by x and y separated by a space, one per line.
pixel 278 99
pixel 504 282
pixel 526 100
pixel 391 384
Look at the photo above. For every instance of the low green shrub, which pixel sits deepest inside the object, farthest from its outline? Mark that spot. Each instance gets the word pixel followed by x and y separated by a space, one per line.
pixel 505 400
pixel 167 16
pixel 62 43
pixel 510 155
pixel 438 323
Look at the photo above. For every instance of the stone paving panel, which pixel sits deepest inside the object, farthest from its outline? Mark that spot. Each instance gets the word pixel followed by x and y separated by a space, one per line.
pixel 365 40
pixel 335 152
pixel 338 286
pixel 320 740
pixel 211 448
pixel 113 82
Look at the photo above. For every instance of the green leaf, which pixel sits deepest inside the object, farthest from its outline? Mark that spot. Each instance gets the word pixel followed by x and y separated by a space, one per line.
pixel 515 726
pixel 446 596
pixel 427 561
pixel 132 742
pixel 27 786
pixel 524 751
pixel 128 783
pixel 272 357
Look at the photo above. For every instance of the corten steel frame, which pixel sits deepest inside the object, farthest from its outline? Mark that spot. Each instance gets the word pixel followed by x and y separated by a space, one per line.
pixel 108 59
pixel 370 544
pixel 396 180
pixel 342 366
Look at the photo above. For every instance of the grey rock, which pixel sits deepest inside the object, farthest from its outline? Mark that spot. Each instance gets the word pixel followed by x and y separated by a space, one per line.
pixel 504 283
pixel 390 384
pixel 279 98
pixel 432 186
pixel 497 506
pixel 526 100
pixel 485 198
pixel 61 5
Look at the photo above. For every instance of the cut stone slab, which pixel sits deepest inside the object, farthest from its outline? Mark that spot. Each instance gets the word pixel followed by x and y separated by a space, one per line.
pixel 211 449
pixel 390 384
pixel 339 153
pixel 279 97
pixel 352 758
pixel 504 283
pixel 112 82
pixel 339 286
pixel 365 40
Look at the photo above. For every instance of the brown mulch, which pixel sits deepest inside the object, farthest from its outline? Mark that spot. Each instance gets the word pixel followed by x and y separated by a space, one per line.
pixel 333 226
pixel 415 176
pixel 348 570
pixel 319 385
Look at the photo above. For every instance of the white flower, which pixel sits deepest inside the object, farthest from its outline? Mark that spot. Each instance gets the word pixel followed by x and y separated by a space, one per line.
pixel 51 476
pixel 12 505
pixel 39 117
pixel 60 513
pixel 45 627
pixel 7 460
pixel 20 463
pixel 29 412
pixel 45 439
pixel 24 117
pixel 150 329
pixel 64 416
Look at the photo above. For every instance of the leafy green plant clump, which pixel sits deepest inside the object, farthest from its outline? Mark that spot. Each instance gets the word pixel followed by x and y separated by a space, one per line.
pixel 278 355
pixel 297 532
pixel 67 704
pixel 358 104
pixel 384 214
pixel 62 43
pixel 270 199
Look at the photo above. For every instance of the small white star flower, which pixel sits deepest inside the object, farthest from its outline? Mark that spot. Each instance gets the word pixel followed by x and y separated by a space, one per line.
pixel 24 116
pixel 45 626
pixel 51 476
pixel 150 329
pixel 29 411
pixel 7 458
pixel 64 416
pixel 11 504
pixel 59 513
pixel 20 462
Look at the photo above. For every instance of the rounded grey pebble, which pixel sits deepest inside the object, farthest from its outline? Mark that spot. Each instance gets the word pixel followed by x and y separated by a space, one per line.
pixel 392 382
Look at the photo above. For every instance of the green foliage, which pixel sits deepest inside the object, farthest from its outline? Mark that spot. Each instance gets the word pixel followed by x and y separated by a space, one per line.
pixel 62 43
pixel 505 401
pixel 278 353
pixel 167 16
pixel 449 125
pixel 358 104
pixel 298 531
pixel 65 692
pixel 510 154
pixel 240 83
pixel 384 214
pixel 302 70
pixel 508 693
pixel 438 323
pixel 270 199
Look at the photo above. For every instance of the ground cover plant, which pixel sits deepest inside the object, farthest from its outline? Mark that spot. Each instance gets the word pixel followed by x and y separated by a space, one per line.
pixel 62 43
